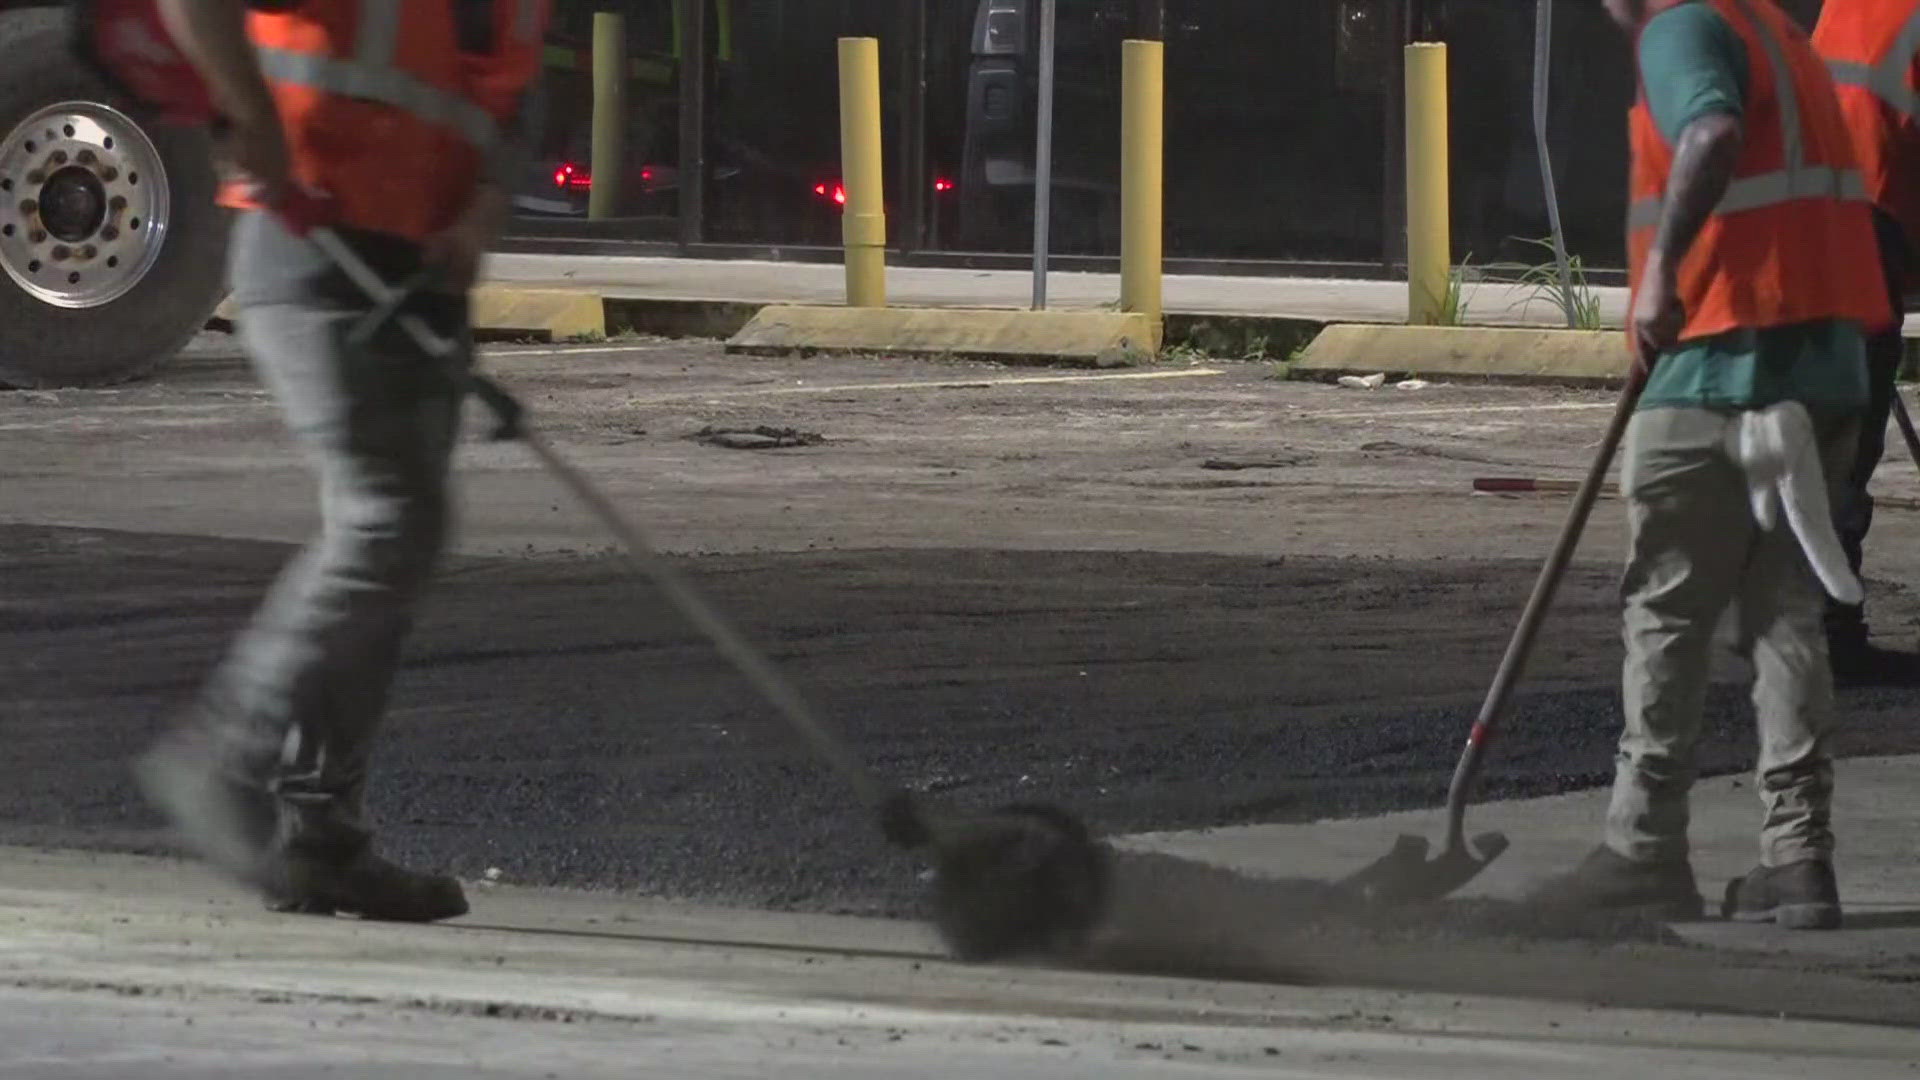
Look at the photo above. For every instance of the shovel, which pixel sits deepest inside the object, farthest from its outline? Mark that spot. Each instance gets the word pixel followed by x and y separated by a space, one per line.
pixel 1405 874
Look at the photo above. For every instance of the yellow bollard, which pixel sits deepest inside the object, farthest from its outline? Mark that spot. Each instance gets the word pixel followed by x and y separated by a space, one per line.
pixel 1429 231
pixel 1142 176
pixel 865 228
pixel 609 114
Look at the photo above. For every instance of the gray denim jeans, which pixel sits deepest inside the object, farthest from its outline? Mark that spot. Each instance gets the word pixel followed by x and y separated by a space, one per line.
pixel 297 702
pixel 1695 549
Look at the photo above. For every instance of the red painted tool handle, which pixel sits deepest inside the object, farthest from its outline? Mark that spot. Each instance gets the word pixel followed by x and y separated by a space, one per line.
pixel 1502 483
pixel 1520 647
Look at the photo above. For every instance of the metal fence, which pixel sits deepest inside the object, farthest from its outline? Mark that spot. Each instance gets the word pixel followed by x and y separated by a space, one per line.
pixel 1284 136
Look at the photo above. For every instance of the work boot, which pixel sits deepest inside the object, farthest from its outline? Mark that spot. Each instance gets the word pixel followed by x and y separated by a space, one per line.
pixel 1798 896
pixel 218 817
pixel 366 885
pixel 1608 881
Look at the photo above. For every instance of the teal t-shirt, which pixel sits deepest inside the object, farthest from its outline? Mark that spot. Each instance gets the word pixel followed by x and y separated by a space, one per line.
pixel 1694 64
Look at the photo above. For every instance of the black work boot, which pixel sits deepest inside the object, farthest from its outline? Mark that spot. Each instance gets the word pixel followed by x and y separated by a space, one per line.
pixel 1798 896
pixel 363 884
pixel 1866 664
pixel 1608 881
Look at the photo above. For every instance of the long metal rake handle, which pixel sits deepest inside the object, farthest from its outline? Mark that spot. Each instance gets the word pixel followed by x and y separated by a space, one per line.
pixel 1520 646
pixel 637 548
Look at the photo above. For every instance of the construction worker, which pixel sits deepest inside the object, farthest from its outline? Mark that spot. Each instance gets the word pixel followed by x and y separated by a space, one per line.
pixel 403 113
pixel 1754 281
pixel 1872 49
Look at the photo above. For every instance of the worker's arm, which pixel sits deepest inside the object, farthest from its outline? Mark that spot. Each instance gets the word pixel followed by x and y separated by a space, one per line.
pixel 213 36
pixel 1703 164
pixel 1694 68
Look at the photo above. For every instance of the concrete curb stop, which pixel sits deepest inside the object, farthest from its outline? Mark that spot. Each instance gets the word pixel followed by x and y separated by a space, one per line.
pixel 1080 338
pixel 539 314
pixel 1537 355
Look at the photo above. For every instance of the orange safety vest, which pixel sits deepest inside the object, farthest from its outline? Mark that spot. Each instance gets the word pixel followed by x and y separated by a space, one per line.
pixel 384 111
pixel 1872 49
pixel 1792 241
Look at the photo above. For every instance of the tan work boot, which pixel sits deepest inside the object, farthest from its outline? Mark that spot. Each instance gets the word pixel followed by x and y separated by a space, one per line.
pixel 1798 896
pixel 1608 881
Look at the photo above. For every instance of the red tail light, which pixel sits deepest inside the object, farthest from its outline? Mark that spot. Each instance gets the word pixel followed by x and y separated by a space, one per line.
pixel 836 192
pixel 571 175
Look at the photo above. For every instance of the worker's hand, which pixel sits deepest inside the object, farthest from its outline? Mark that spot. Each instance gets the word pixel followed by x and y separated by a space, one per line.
pixel 1656 319
pixel 456 252
pixel 256 145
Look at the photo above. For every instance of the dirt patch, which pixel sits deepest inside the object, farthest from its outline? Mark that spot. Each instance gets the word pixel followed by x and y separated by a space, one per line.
pixel 1281 461
pixel 758 438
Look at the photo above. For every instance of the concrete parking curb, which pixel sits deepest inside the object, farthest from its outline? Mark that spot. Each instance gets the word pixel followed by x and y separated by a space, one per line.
pixel 1580 357
pixel 1080 338
pixel 541 314
pixel 1319 347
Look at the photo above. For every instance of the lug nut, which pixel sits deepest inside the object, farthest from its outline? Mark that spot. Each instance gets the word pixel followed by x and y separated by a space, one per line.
pixel 37 236
pixel 109 174
pixel 117 203
pixel 60 252
pixel 89 252
pixel 59 157
pixel 84 157
pixel 29 207
pixel 109 234
pixel 36 178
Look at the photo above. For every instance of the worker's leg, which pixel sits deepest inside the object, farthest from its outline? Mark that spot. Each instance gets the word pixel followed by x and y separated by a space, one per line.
pixel 1688 535
pixel 1846 624
pixel 295 707
pixel 1686 512
pixel 1781 605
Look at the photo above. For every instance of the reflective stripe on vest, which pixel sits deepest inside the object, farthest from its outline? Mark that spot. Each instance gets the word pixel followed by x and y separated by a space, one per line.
pixel 371 75
pixel 1798 180
pixel 1891 79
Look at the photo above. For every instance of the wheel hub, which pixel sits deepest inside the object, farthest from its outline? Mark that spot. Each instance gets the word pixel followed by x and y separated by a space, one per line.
pixel 73 204
pixel 84 204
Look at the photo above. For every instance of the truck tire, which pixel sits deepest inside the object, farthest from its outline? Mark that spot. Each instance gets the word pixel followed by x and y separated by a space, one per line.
pixel 112 251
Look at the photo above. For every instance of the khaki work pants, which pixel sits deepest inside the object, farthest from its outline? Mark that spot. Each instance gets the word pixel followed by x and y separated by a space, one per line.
pixel 1694 550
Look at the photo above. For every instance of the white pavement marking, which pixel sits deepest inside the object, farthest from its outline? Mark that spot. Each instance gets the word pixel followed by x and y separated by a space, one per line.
pixel 585 350
pixel 1451 410
pixel 943 384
